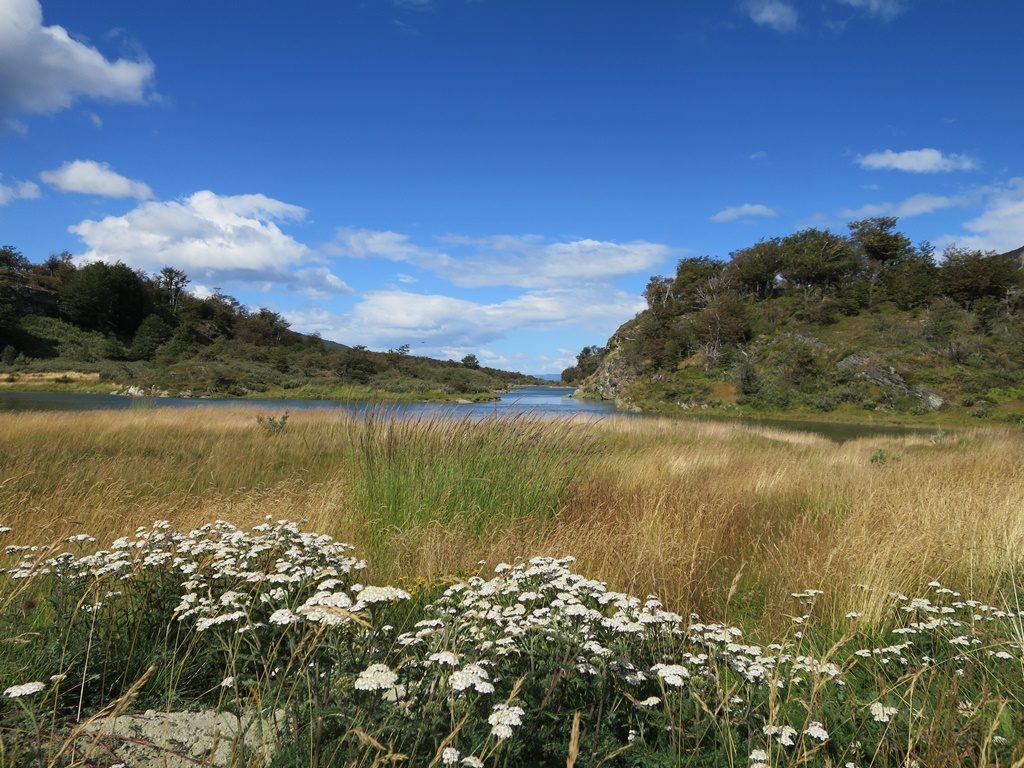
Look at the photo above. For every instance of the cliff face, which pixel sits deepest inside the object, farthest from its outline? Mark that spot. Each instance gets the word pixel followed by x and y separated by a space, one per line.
pixel 613 376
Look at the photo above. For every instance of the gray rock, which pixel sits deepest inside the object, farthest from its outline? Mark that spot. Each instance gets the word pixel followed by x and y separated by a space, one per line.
pixel 184 739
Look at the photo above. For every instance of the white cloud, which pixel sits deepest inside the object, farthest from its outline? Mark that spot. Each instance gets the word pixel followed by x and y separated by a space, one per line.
pixel 404 278
pixel 95 119
pixel 916 161
pixel 319 283
pixel 780 16
pixel 211 237
pixel 916 205
pixel 759 155
pixel 1000 225
pixel 432 322
pixel 17 190
pixel 887 10
pixel 743 211
pixel 43 69
pixel 524 261
pixel 91 178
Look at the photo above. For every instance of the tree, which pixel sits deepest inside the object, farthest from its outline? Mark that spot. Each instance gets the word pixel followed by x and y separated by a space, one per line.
pixel 877 239
pixel 967 276
pixel 696 283
pixel 817 258
pixel 112 298
pixel 12 259
pixel 470 361
pixel 757 268
pixel 909 282
pixel 152 332
pixel 172 282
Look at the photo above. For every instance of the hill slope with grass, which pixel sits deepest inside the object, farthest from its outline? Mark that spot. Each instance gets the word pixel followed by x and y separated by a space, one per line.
pixel 850 325
pixel 106 327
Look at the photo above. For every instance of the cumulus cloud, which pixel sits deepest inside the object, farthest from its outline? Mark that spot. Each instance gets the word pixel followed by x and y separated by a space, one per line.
pixel 44 70
pixel 319 283
pixel 742 211
pixel 916 161
pixel 211 237
pixel 17 190
pixel 1000 225
pixel 91 178
pixel 887 10
pixel 777 15
pixel 432 322
pixel 916 205
pixel 523 261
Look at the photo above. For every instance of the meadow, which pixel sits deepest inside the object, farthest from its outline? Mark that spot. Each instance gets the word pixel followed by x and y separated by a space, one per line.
pixel 817 603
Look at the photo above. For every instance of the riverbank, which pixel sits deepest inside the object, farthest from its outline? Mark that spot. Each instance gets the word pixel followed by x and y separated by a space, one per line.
pixel 93 383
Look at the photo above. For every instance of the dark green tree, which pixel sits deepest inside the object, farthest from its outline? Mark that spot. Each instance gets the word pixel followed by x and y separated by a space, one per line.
pixel 152 332
pixel 817 258
pixel 967 275
pixel 12 259
pixel 112 298
pixel 470 361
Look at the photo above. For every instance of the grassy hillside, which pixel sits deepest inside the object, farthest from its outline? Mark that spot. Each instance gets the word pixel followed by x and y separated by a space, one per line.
pixel 858 326
pixel 103 328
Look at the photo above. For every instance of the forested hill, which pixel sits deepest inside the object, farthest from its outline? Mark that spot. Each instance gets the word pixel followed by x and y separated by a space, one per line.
pixel 817 322
pixel 124 329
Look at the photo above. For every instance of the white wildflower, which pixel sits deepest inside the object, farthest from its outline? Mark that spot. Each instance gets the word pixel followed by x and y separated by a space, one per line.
pixel 882 713
pixel 450 756
pixel 25 689
pixel 376 677
pixel 817 731
pixel 503 719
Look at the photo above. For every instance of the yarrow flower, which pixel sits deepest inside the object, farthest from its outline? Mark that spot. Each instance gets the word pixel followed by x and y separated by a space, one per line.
pixel 25 689
pixel 784 734
pixel 503 719
pixel 376 677
pixel 472 676
pixel 882 713
pixel 450 756
pixel 817 731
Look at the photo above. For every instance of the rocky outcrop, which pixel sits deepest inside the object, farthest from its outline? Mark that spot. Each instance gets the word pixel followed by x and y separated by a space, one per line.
pixel 887 378
pixel 613 376
pixel 183 739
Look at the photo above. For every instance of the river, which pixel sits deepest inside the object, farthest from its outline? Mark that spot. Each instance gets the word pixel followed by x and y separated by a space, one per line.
pixel 540 401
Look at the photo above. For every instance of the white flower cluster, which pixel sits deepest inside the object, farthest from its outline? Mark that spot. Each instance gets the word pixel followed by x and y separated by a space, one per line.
pixel 274 574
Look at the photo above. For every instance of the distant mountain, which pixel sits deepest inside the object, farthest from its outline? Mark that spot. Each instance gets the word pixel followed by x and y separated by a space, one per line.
pixel 547 376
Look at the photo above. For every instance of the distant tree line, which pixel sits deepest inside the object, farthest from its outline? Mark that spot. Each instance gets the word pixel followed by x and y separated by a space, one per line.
pixel 213 342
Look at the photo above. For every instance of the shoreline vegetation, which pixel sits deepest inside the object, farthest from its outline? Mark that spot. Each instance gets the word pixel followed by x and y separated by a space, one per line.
pixel 822 323
pixel 819 603
pixel 61 323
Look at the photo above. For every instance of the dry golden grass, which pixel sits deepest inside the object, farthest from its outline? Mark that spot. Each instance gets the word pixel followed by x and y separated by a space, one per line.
pixel 723 518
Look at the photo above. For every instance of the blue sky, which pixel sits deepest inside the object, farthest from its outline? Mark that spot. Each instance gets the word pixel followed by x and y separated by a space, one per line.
pixel 495 176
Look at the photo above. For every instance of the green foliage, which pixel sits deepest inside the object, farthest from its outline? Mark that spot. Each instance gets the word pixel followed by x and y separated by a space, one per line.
pixel 273 425
pixel 791 308
pixel 212 345
pixel 108 298
pixel 152 333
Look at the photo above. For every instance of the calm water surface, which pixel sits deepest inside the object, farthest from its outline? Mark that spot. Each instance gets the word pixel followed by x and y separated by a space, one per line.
pixel 542 401
pixel 546 401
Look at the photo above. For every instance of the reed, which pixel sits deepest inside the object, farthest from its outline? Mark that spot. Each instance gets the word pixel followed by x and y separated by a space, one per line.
pixel 715 517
